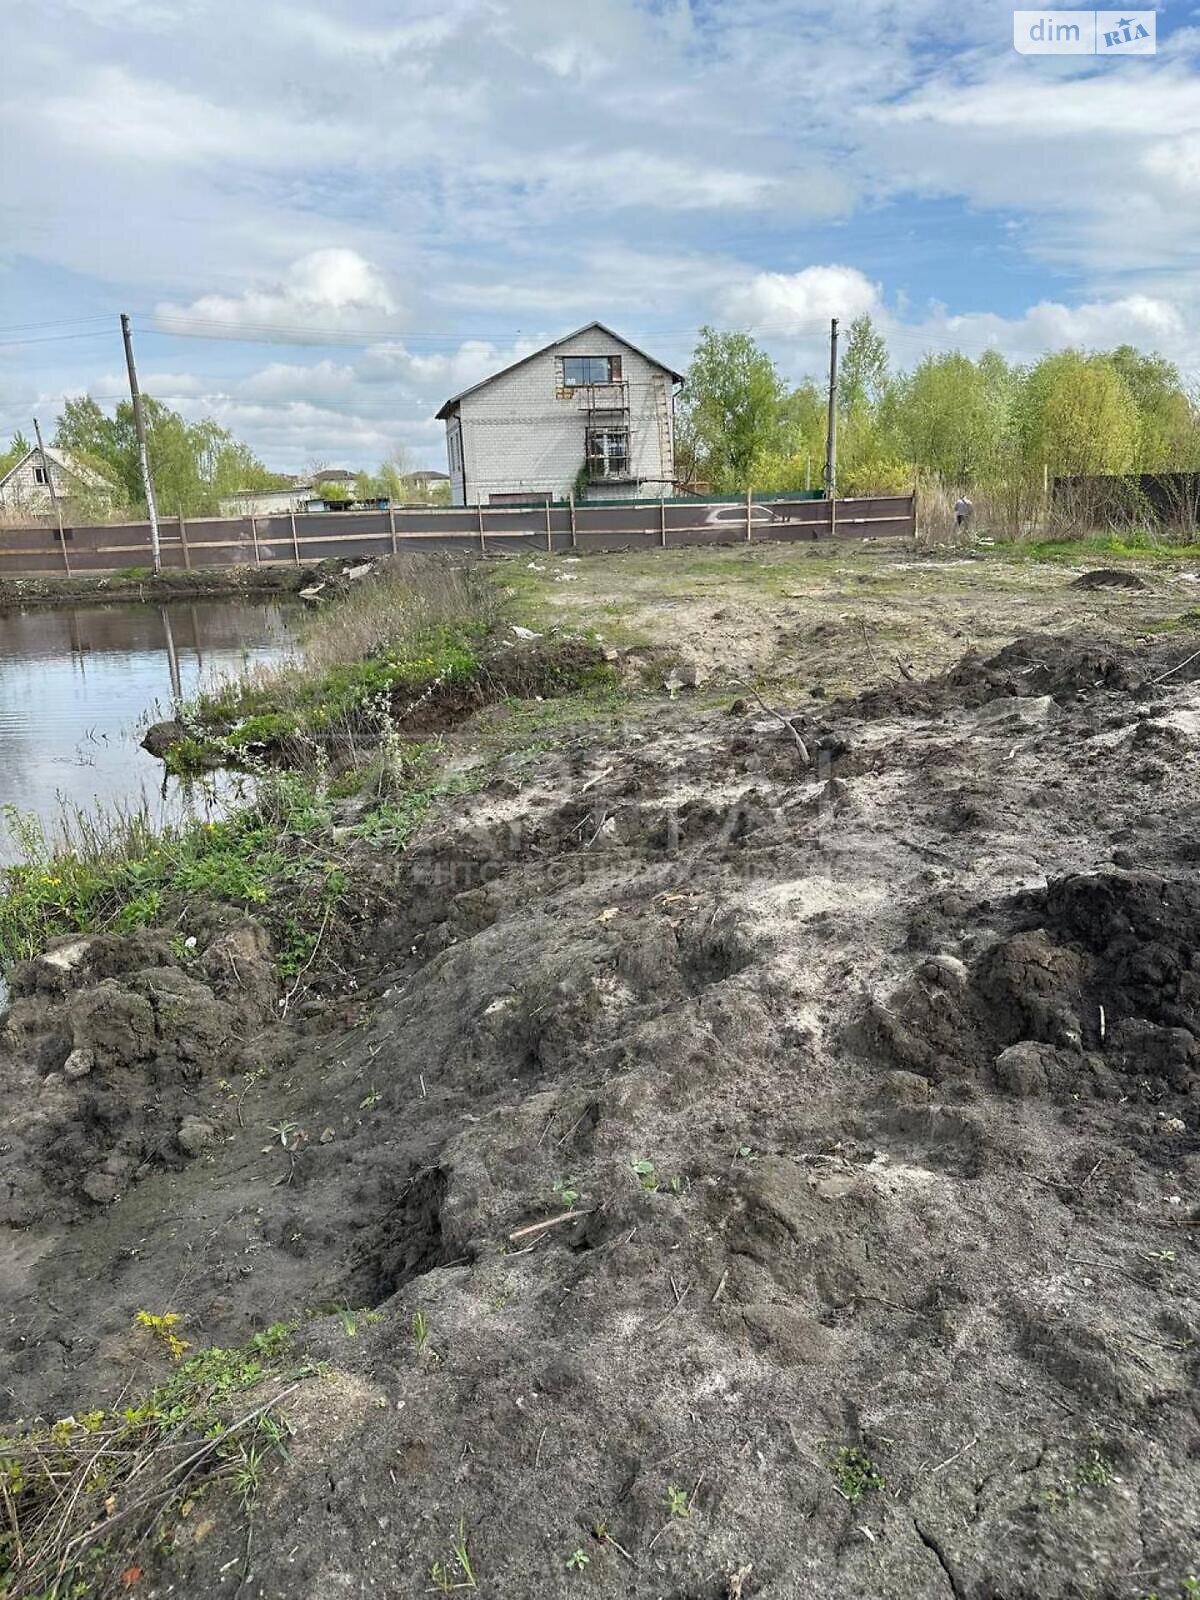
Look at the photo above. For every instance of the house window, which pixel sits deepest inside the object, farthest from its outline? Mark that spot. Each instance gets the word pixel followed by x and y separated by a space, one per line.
pixel 607 453
pixel 39 475
pixel 578 371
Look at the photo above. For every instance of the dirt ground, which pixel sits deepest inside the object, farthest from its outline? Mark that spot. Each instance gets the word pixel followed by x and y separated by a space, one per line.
pixel 839 615
pixel 758 1148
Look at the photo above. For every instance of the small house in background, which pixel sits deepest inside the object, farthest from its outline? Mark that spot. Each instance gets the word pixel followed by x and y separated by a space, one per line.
pixel 302 494
pixel 265 502
pixel 590 412
pixel 25 487
pixel 335 478
pixel 427 486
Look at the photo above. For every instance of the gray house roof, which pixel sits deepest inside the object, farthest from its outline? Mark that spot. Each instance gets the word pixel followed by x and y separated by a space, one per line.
pixel 533 355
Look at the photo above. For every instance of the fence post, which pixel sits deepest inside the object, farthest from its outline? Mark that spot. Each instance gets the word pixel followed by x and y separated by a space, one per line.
pixel 254 536
pixel 295 540
pixel 392 524
pixel 549 535
pixel 187 554
pixel 749 514
pixel 833 516
pixel 479 513
pixel 571 502
pixel 662 521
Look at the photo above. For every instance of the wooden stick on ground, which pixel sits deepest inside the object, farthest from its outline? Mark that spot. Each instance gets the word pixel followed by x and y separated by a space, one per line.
pixel 801 747
pixel 1179 666
pixel 550 1222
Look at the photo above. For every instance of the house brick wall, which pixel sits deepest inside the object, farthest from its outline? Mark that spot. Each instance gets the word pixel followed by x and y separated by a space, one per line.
pixel 22 491
pixel 521 433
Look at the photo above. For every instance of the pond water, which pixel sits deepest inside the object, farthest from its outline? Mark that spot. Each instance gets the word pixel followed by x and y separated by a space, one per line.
pixel 79 686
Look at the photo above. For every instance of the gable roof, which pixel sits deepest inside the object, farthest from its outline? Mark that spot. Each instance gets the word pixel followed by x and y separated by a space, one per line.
pixel 65 462
pixel 533 355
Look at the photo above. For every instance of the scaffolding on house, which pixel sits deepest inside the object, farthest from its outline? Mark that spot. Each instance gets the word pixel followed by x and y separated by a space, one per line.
pixel 606 415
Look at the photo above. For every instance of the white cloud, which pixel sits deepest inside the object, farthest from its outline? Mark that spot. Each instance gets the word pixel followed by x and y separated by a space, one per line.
pixel 115 113
pixel 630 177
pixel 438 374
pixel 325 292
pixel 1177 162
pixel 797 304
pixel 1150 322
pixel 286 381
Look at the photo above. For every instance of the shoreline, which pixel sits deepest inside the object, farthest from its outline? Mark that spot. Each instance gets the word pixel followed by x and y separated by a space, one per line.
pixel 203 583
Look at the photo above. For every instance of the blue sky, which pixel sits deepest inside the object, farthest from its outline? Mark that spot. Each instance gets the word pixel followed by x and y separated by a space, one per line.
pixel 325 218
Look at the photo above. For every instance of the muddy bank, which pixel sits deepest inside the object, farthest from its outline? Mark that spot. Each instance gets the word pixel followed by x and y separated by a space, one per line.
pixel 747 1176
pixel 202 583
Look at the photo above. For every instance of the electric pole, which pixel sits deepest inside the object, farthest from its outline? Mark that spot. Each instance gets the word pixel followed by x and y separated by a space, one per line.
pixel 139 423
pixel 48 469
pixel 831 434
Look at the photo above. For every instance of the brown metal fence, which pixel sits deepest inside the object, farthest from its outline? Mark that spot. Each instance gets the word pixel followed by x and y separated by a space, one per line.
pixel 482 530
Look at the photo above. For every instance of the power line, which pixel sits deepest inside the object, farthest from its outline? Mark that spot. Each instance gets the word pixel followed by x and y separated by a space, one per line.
pixel 54 338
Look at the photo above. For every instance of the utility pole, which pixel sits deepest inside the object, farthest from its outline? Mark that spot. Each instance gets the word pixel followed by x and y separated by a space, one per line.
pixel 139 423
pixel 831 435
pixel 48 469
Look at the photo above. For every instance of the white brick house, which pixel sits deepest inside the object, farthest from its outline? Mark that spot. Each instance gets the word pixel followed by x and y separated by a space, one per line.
pixel 590 401
pixel 25 487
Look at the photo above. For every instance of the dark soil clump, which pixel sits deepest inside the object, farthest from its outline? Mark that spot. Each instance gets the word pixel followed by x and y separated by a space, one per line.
pixel 1109 578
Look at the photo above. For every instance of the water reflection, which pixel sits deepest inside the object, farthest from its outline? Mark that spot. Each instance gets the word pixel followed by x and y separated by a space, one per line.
pixel 79 686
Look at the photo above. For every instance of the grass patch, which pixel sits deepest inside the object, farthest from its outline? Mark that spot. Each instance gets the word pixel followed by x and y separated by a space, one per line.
pixel 855 1474
pixel 415 647
pixel 114 872
pixel 1128 546
pixel 414 624
pixel 85 1501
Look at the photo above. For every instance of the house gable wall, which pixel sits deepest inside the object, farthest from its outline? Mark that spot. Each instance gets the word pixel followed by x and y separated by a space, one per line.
pixel 523 432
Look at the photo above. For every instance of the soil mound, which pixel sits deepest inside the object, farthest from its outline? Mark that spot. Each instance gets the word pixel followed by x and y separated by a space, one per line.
pixel 1108 578
pixel 1096 991
pixel 1033 667
pixel 109 1055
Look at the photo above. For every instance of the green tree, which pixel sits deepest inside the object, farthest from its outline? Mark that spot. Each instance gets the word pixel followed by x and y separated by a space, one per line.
pixel 863 367
pixel 732 416
pixel 949 415
pixel 193 464
pixel 1077 415
pixel 18 449
pixel 1168 431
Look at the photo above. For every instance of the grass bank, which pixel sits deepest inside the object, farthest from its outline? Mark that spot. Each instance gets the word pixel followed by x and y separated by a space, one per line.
pixel 140 584
pixel 411 651
pixel 344 745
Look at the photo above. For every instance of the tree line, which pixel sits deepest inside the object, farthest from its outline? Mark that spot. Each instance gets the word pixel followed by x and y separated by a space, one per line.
pixel 979 425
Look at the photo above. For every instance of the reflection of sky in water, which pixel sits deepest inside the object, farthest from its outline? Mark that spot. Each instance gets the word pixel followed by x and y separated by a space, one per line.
pixel 79 686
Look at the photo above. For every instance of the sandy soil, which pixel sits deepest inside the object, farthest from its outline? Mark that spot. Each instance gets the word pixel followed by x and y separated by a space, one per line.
pixel 839 616
pixel 868 1081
